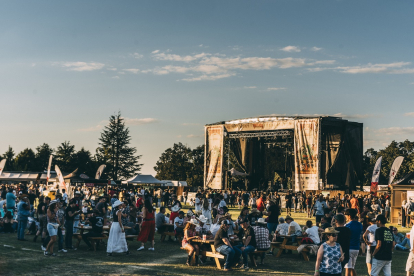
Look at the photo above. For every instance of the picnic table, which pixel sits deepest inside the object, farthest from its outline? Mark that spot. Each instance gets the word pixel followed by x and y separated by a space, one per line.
pixel 284 246
pixel 83 228
pixel 213 253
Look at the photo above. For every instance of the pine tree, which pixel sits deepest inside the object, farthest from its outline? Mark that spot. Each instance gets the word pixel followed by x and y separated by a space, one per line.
pixel 115 152
pixel 9 155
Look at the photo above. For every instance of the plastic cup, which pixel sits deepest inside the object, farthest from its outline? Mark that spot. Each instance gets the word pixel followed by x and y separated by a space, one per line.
pixel 204 237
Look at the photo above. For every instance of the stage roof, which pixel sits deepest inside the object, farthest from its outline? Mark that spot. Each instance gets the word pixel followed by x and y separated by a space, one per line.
pixel 272 118
pixel 143 179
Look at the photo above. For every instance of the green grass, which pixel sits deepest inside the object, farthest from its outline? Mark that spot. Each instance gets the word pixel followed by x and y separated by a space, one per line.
pixel 167 259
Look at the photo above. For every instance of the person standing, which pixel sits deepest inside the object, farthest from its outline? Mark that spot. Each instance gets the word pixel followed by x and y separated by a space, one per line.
pixel 382 256
pixel 330 255
pixel 273 212
pixel 23 215
pixel 356 229
pixel 369 238
pixel 320 206
pixel 409 267
pixel 52 228
pixel 148 226
pixel 10 201
pixel 70 213
pixel 344 237
pixel 116 241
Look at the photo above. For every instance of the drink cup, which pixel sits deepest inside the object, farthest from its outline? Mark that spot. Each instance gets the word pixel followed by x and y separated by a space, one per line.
pixel 408 235
pixel 63 232
pixel 204 237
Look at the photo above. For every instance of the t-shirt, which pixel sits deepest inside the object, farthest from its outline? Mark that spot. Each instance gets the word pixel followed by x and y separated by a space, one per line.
pixel 221 204
pixel 356 229
pixel 40 207
pixel 100 207
pixel 274 216
pixel 97 224
pixel 313 234
pixel 371 235
pixel 384 235
pixel 10 200
pixel 260 204
pixel 218 239
pixel 179 220
pixel 320 206
pixel 203 230
pixel 288 198
pixel 214 229
pixel 67 217
pixel 344 239
pixel 243 234
pixel 159 219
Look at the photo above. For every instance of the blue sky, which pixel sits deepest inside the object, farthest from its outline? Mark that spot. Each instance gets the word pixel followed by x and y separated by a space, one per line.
pixel 172 66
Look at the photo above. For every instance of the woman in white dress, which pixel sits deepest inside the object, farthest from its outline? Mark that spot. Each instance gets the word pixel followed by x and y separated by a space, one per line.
pixel 206 210
pixel 116 241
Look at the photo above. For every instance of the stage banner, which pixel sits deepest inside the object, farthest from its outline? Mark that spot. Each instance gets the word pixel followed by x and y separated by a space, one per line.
pixel 306 154
pixel 375 176
pixel 213 170
pixel 394 168
pixel 2 164
pixel 48 168
pixel 261 126
pixel 100 171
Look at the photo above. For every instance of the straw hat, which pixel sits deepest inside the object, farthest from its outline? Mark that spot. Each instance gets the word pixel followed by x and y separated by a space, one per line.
pixel 190 213
pixel 254 210
pixel 330 230
pixel 261 221
pixel 203 219
pixel 175 208
pixel 194 222
pixel 371 216
pixel 116 204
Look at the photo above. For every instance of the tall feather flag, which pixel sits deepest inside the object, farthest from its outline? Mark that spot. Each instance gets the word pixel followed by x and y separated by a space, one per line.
pixel 100 171
pixel 48 168
pixel 394 168
pixel 375 176
pixel 62 182
pixel 2 164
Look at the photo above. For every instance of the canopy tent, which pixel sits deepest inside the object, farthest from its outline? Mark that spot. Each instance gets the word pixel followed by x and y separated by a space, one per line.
pixel 145 179
pixel 16 177
pixel 406 180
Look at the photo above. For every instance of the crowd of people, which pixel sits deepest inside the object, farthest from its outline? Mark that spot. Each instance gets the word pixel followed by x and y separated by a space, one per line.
pixel 341 227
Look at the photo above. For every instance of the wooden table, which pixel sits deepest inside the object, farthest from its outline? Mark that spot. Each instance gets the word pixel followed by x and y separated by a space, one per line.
pixel 213 253
pixel 82 229
pixel 282 246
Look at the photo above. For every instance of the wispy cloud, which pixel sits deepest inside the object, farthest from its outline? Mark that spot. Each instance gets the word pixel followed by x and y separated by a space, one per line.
pixel 356 116
pixel 409 114
pixel 81 66
pixel 315 49
pixel 194 136
pixel 98 127
pixel 138 122
pixel 291 49
pixel 155 51
pixel 111 69
pixel 249 87
pixel 173 57
pixel 137 55
pixel 115 77
pixel 132 70
pixel 391 68
pixel 275 88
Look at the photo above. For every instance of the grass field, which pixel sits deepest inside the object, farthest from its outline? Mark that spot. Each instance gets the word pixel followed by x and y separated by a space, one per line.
pixel 26 258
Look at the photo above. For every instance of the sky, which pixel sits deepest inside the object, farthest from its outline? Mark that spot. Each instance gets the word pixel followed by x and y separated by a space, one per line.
pixel 170 67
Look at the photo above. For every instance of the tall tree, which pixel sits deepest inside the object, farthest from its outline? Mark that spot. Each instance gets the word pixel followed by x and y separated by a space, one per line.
pixel 25 160
pixel 85 162
pixel 64 157
pixel 9 155
pixel 43 153
pixel 115 151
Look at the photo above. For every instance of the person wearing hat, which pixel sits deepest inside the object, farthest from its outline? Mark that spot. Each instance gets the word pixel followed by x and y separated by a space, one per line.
pixel 369 239
pixel 178 224
pixel 116 241
pixel 174 212
pixel 203 228
pixel 293 224
pixel 261 232
pixel 254 216
pixel 223 246
pixel 190 234
pixel 330 255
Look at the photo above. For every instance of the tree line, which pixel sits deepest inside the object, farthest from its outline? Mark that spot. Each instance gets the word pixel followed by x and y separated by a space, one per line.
pixel 114 151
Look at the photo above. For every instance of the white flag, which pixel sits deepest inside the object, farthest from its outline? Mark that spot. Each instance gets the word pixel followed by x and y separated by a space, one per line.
pixel 60 178
pixel 100 171
pixel 394 168
pixel 375 176
pixel 48 168
pixel 2 164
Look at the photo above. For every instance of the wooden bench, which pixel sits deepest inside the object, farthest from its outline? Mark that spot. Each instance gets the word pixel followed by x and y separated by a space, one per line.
pixel 95 240
pixel 171 234
pixel 216 255
pixel 131 237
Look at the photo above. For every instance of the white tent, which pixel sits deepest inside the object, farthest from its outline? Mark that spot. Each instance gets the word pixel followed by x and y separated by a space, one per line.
pixel 171 183
pixel 143 179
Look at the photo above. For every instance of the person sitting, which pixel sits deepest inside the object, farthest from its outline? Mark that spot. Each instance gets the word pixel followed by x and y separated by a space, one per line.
pixel 161 223
pixel 8 221
pixel 248 238
pixel 190 234
pixel 311 234
pixel 282 229
pixel 97 222
pixel 203 228
pixel 179 225
pixel 400 240
pixel 227 216
pixel 223 246
pixel 262 237
pixel 254 216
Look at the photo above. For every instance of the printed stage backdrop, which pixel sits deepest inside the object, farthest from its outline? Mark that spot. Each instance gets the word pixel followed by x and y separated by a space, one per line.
pixel 306 154
pixel 213 170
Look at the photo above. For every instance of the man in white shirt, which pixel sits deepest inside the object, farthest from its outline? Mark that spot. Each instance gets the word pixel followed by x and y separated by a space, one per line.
pixel 64 196
pixel 369 238
pixel 410 261
pixel 198 203
pixel 179 224
pixel 222 202
pixel 312 232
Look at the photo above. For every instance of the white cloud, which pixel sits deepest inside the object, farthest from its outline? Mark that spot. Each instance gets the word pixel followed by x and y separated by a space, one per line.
pixel 132 70
pixel 315 49
pixel 154 52
pixel 137 55
pixel 378 68
pixel 111 69
pixel 275 88
pixel 98 127
pixel 138 122
pixel 409 114
pixel 291 49
pixel 81 66
pixel 209 77
pixel 194 136
pixel 115 77
pixel 201 45
pixel 356 116
pixel 172 57
pixel 250 87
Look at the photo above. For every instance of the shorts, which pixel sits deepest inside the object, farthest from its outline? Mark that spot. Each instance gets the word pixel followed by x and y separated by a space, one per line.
pixel 52 230
pixel 318 218
pixel 353 255
pixel 370 250
pixel 410 263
